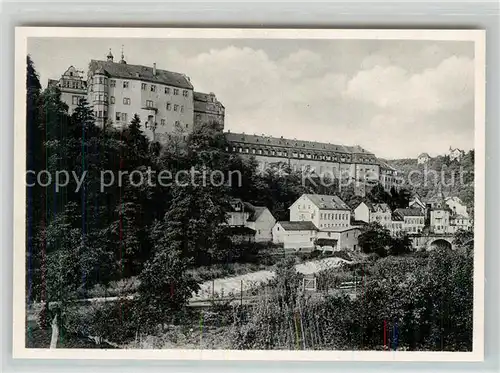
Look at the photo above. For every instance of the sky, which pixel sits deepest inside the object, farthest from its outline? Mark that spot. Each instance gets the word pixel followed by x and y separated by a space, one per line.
pixel 394 98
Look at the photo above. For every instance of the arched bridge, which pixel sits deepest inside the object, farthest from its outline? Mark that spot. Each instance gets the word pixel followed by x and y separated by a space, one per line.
pixel 432 241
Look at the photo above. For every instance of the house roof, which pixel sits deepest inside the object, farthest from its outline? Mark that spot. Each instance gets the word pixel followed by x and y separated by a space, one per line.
pixel 255 211
pixel 341 229
pixel 408 212
pixel 239 230
pixel 298 225
pixel 424 155
pixel 374 207
pixel 139 72
pixel 326 202
pixel 294 143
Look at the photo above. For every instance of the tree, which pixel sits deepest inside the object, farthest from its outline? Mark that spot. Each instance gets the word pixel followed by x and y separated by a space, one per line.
pixel 400 244
pixel 375 239
pixel 464 239
pixel 165 286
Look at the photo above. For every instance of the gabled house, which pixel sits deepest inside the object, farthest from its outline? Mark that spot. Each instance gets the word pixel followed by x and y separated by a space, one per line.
pixel 423 158
pixel 456 154
pixel 323 210
pixel 297 235
pixel 261 221
pixel 373 212
pixel 256 219
pixel 413 220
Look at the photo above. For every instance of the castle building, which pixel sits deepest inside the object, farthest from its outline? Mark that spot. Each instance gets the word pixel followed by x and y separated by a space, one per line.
pixel 73 87
pixel 208 109
pixel 162 99
pixel 346 163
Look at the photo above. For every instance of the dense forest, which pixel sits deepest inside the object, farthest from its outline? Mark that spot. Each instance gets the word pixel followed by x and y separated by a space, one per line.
pixel 81 235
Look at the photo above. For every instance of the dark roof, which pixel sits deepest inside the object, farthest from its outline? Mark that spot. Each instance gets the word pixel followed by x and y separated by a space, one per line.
pixel 53 83
pixel 255 211
pixel 424 155
pixel 293 143
pixel 358 222
pixel 298 225
pixel 239 230
pixel 139 72
pixel 325 202
pixel 409 212
pixel 373 207
pixel 396 217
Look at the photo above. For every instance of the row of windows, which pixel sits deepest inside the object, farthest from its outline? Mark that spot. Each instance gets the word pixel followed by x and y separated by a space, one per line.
pixel 72 84
pixel 414 220
pixel 101 114
pixel 333 225
pixel 284 153
pixel 166 90
pixel 75 100
pixel 332 216
pixel 177 123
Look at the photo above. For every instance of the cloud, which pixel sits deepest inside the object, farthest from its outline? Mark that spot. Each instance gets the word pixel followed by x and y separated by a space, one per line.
pixel 448 86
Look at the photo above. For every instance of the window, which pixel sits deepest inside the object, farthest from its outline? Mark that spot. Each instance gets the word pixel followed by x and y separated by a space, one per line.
pixel 100 114
pixel 176 107
pixel 176 92
pixel 149 103
pixel 101 80
pixel 112 99
pixel 91 88
pixel 125 84
pixel 185 93
pixel 126 101
pixel 105 80
pixel 162 122
pixel 124 117
pixel 118 116
pixel 182 108
pixel 187 125
pixel 169 106
pixel 76 100
pixel 112 83
pixel 105 114
pixel 153 88
pixel 177 123
pixel 143 86
pixel 167 90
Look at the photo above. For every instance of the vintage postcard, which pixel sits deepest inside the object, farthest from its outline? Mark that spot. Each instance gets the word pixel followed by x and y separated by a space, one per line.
pixel 249 194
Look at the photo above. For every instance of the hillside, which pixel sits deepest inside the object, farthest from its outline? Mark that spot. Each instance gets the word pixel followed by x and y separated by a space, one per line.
pixel 452 177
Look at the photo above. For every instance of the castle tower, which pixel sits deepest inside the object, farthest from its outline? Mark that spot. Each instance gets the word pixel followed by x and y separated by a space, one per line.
pixel 100 96
pixel 110 56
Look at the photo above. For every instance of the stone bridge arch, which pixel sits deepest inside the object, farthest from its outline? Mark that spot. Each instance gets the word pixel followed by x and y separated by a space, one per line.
pixel 440 242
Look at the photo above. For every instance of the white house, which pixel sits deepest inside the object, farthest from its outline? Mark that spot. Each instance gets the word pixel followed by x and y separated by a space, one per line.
pixel 373 212
pixel 297 235
pixel 323 210
pixel 457 206
pixel 423 158
pixel 417 202
pixel 456 154
pixel 256 218
pixel 413 220
pixel 261 221
pixel 338 238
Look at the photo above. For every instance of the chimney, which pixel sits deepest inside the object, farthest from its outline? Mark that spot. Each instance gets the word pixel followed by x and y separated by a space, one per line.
pixel 154 69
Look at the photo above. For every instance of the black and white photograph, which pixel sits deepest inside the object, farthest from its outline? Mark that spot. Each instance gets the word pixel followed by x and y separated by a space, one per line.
pixel 249 194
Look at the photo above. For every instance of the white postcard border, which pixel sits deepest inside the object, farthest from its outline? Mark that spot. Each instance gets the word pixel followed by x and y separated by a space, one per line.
pixel 19 216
